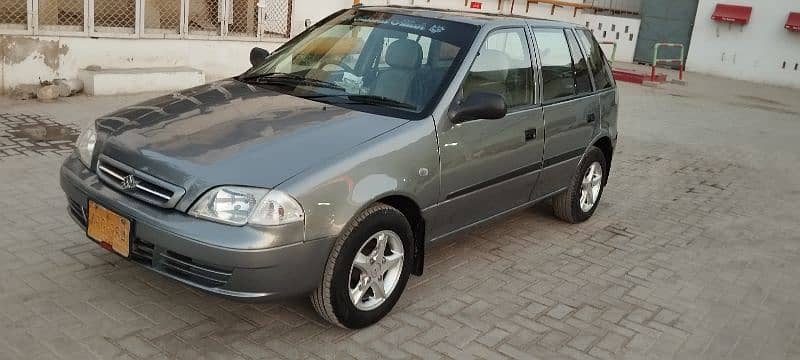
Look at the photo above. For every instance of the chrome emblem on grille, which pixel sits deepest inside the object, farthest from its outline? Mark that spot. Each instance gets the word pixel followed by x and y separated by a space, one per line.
pixel 129 183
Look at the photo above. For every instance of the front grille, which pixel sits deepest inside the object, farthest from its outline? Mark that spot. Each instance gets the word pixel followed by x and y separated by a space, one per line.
pixel 139 185
pixel 186 267
pixel 78 212
pixel 142 252
pixel 180 266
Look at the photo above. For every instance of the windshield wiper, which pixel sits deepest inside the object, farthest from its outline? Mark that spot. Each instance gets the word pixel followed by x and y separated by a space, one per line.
pixel 273 75
pixel 365 100
pixel 277 77
pixel 379 100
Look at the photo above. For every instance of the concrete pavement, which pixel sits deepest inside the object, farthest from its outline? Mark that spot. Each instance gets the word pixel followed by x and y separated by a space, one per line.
pixel 693 253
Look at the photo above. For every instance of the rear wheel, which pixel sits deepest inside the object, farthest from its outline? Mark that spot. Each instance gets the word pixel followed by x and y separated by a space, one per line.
pixel 579 202
pixel 367 270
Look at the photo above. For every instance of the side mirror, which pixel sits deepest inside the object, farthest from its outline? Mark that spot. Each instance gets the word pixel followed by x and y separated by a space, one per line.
pixel 258 56
pixel 479 105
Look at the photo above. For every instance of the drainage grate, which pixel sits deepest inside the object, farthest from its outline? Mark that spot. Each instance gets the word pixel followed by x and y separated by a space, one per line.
pixel 31 134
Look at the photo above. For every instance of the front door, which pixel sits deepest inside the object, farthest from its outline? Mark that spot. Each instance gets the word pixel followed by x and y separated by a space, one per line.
pixel 490 166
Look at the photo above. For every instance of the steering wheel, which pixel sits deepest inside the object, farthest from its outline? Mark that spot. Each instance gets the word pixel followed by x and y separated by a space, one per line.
pixel 339 65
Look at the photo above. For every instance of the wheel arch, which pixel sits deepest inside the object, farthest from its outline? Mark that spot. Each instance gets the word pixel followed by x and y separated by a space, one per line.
pixel 605 145
pixel 411 210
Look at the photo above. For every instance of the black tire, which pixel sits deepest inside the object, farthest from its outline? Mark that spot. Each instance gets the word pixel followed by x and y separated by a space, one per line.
pixel 331 298
pixel 566 205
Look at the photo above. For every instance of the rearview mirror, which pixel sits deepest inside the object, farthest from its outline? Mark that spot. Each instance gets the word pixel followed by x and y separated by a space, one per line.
pixel 479 105
pixel 258 56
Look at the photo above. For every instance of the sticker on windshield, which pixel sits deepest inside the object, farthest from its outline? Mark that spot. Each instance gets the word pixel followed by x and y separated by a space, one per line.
pixel 435 29
pixel 404 23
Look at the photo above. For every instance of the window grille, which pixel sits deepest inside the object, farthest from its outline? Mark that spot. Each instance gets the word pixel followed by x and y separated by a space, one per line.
pixel 14 14
pixel 114 16
pixel 62 15
pixel 204 17
pixel 242 18
pixel 190 19
pixel 277 18
pixel 162 17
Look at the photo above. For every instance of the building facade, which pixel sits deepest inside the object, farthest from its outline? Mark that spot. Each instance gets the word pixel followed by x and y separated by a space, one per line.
pixel 43 40
pixel 761 50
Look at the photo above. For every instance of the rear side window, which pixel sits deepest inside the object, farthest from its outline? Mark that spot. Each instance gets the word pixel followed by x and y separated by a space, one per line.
pixel 583 81
pixel 558 74
pixel 597 60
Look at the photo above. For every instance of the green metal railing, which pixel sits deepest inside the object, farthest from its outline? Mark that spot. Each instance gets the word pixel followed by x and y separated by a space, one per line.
pixel 656 60
pixel 613 51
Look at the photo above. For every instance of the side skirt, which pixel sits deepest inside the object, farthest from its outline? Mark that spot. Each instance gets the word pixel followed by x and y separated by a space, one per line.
pixel 464 229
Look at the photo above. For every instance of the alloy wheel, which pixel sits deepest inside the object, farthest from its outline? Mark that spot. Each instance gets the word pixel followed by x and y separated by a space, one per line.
pixel 376 270
pixel 590 186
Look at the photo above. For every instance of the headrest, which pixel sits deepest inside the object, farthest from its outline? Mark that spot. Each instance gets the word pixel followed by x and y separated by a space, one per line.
pixel 404 54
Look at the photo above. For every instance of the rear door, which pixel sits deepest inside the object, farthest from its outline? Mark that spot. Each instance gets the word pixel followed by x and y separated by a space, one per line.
pixel 605 87
pixel 571 109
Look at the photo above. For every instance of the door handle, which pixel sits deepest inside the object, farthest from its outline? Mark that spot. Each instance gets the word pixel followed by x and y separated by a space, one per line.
pixel 530 135
pixel 591 118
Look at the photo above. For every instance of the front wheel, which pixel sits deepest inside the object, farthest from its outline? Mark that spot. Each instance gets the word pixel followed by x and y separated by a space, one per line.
pixel 579 202
pixel 367 269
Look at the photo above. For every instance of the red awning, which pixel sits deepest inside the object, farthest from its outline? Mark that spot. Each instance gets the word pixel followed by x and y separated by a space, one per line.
pixel 793 24
pixel 732 13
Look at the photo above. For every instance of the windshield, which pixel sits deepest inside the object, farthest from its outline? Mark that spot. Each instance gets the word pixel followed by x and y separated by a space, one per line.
pixel 377 62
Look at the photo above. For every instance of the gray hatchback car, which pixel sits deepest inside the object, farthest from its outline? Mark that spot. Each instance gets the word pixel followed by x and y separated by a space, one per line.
pixel 329 167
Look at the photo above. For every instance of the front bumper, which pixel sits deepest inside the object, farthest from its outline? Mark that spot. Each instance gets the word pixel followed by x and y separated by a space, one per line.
pixel 240 262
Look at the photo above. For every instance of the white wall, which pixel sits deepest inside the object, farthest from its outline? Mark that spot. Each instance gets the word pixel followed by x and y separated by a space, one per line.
pixel 753 52
pixel 218 59
pixel 622 30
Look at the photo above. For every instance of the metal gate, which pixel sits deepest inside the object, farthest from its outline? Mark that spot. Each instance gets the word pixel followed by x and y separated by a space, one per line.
pixel 664 22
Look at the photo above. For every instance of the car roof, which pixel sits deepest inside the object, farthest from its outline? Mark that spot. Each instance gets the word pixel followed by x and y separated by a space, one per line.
pixel 470 17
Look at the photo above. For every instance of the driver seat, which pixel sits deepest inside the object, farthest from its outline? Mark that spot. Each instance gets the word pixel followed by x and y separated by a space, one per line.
pixel 404 57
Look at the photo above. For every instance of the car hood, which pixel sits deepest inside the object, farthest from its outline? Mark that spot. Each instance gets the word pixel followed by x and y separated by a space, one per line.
pixel 232 133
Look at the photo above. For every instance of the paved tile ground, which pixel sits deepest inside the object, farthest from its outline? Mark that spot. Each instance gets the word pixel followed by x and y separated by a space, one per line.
pixel 694 253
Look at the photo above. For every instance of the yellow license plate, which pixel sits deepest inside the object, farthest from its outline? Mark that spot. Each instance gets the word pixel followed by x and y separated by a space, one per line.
pixel 108 228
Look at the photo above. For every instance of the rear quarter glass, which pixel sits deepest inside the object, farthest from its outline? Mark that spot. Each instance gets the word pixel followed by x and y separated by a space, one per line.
pixel 597 59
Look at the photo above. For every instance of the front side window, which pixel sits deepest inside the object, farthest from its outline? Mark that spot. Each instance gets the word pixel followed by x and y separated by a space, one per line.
pixel 379 62
pixel 597 60
pixel 503 66
pixel 558 73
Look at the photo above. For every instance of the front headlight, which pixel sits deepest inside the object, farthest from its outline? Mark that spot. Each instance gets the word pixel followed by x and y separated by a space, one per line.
pixel 85 145
pixel 236 205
